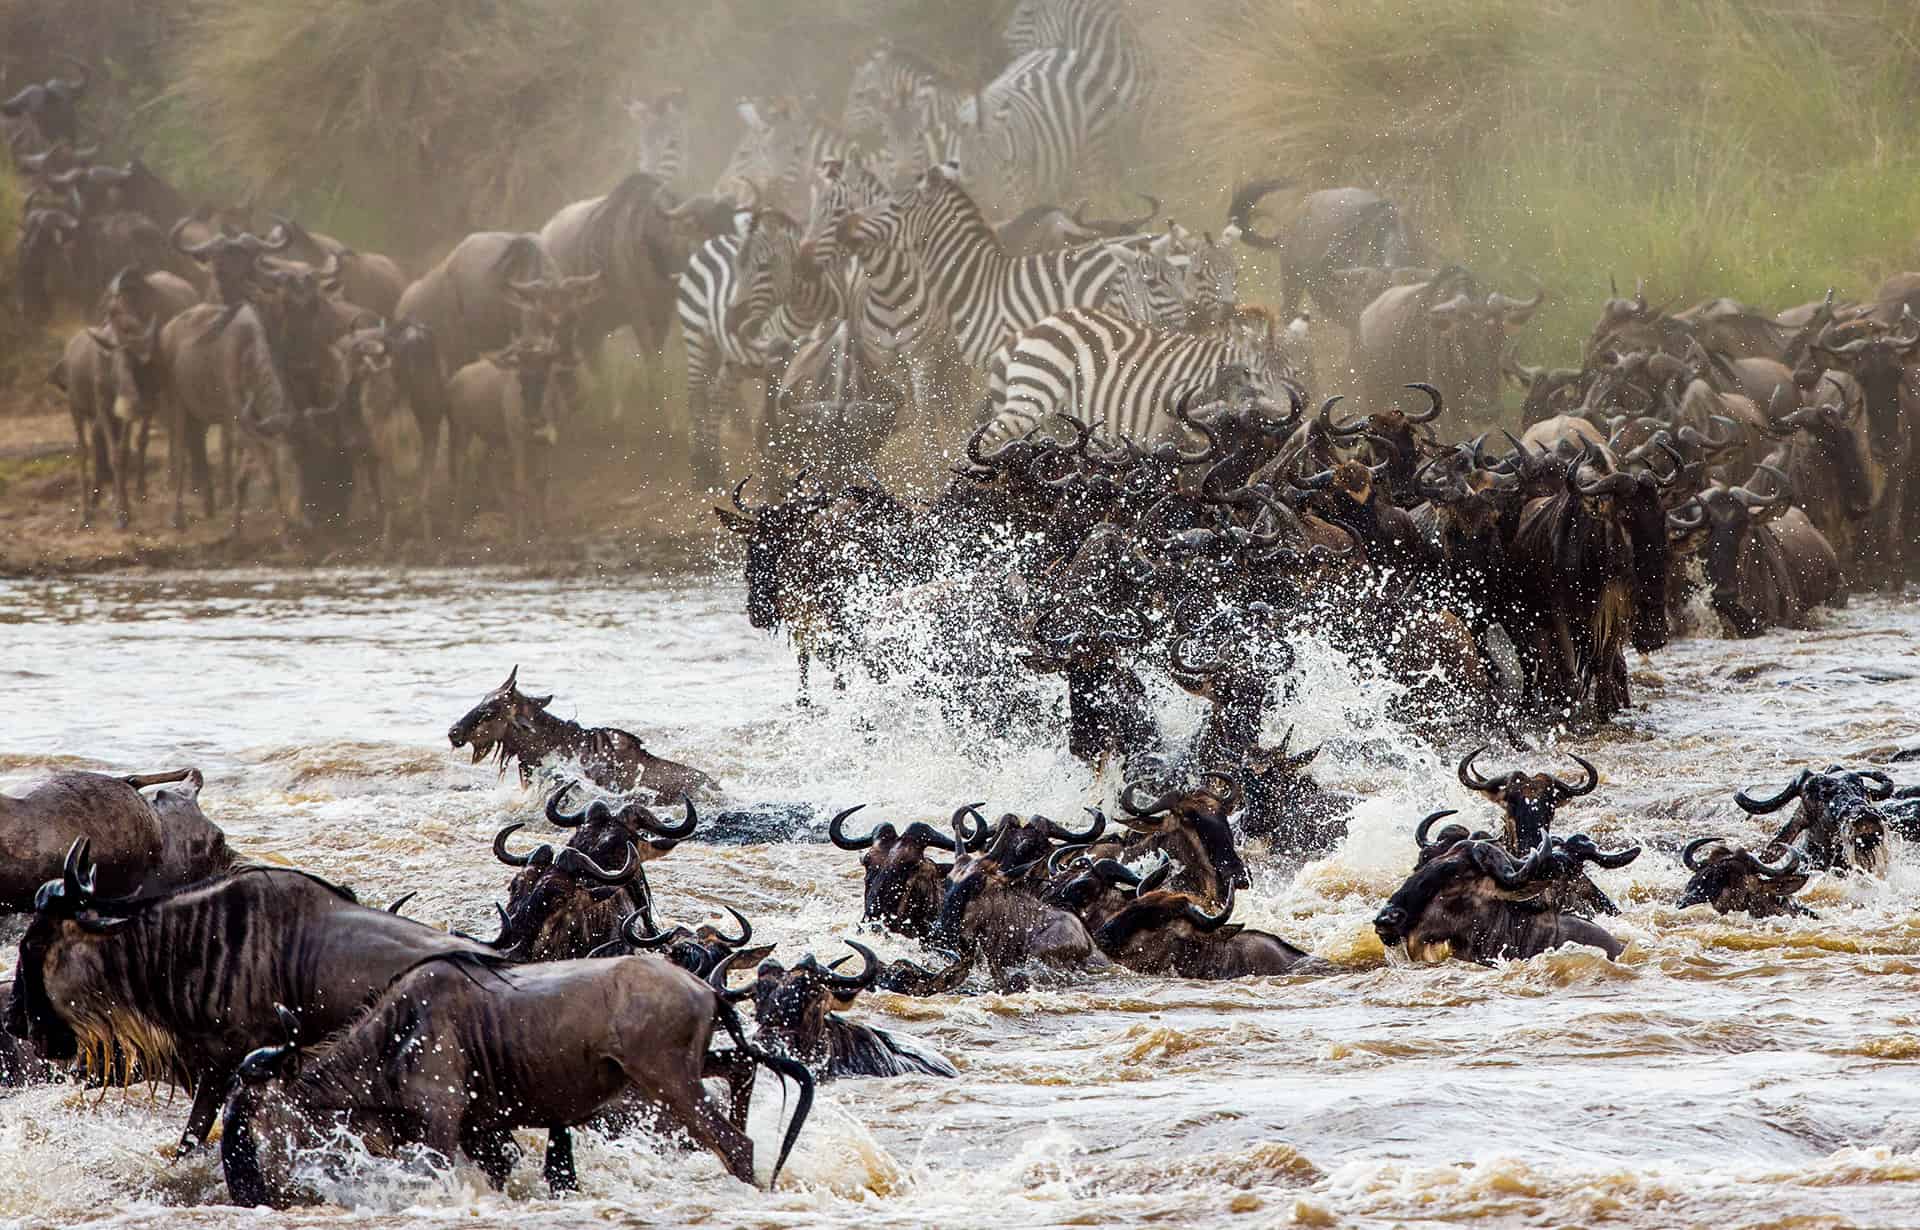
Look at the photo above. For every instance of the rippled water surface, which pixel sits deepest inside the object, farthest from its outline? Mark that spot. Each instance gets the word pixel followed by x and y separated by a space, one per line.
pixel 1724 1072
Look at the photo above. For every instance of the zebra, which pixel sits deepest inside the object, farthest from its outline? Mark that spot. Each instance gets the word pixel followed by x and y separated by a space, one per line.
pixel 660 135
pixel 986 295
pixel 1034 127
pixel 740 297
pixel 1126 379
pixel 890 74
pixel 776 154
pixel 1116 82
pixel 885 295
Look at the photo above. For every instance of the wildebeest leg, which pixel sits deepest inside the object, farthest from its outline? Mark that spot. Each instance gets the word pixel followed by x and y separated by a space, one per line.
pixel 241 474
pixel 561 1176
pixel 429 427
pixel 228 459
pixel 83 455
pixel 688 1106
pixel 120 433
pixel 803 700
pixel 492 1149
pixel 521 515
pixel 457 468
pixel 737 1068
pixel 208 1095
pixel 146 430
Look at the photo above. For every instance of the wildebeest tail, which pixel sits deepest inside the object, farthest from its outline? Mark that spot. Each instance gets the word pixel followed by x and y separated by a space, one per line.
pixel 779 1065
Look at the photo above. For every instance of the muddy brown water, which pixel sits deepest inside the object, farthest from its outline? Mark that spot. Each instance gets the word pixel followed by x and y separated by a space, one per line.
pixel 1723 1073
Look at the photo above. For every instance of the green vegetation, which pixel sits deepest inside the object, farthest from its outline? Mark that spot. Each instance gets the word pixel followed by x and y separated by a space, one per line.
pixel 1736 147
pixel 1711 147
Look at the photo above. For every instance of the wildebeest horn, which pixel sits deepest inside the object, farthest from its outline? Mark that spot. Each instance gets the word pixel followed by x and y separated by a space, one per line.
pixel 643 817
pixel 1433 395
pixel 1762 807
pixel 1420 833
pixel 1679 520
pixel 1689 853
pixel 540 857
pixel 1583 848
pixel 1573 792
pixel 580 865
pixel 1352 427
pixel 746 929
pixel 1057 832
pixel 969 839
pixel 1234 789
pixel 745 511
pixel 560 818
pixel 1609 483
pixel 1062 855
pixel 1152 809
pixel 1495 862
pixel 1788 864
pixel 196 251
pixel 1118 226
pixel 630 930
pixel 837 833
pixel 717 979
pixel 401 901
pixel 1472 780
pixel 1880 786
pixel 849 986
pixel 1782 490
pixel 1240 211
pixel 1203 921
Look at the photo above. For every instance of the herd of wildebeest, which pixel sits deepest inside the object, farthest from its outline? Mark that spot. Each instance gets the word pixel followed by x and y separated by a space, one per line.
pixel 1143 497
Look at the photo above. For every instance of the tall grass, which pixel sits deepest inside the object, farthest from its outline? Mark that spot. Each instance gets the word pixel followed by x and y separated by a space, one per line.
pixel 1711 147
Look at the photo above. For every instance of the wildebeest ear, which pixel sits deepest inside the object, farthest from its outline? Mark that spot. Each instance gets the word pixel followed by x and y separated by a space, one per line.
pixel 734 521
pixel 758 953
pixel 512 677
pixel 539 702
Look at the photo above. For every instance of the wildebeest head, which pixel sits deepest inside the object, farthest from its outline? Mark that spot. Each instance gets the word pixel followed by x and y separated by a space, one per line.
pixel 791 1005
pixel 51 105
pixel 552 904
pixel 1830 432
pixel 1727 517
pixel 488 725
pixel 903 886
pixel 57 912
pixel 775 535
pixel 699 950
pixel 1190 826
pixel 1732 879
pixel 1878 361
pixel 1473 900
pixel 1528 799
pixel 52 251
pixel 1839 823
pixel 1472 330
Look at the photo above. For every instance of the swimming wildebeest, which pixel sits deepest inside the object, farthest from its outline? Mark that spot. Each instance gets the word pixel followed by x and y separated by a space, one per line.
pixel 457 1053
pixel 142 843
pixel 514 726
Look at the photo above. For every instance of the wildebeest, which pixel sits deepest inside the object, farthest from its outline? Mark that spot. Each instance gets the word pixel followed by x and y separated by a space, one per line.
pixel 221 366
pixel 1527 800
pixel 1334 229
pixel 1447 332
pixel 1473 900
pixel 457 1052
pixel 637 238
pixel 1732 879
pixel 1163 932
pixel 117 384
pixel 1839 824
pixel 995 913
pixel 567 904
pixel 142 843
pixel 797 1014
pixel 1766 563
pixel 513 726
pixel 904 888
pixel 48 110
pixel 512 400
pixel 1190 827
pixel 1881 364
pixel 185 983
pixel 366 279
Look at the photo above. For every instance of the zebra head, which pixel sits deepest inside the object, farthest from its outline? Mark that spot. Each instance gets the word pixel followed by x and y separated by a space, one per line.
pixel 660 134
pixel 764 269
pixel 769 153
pixel 839 188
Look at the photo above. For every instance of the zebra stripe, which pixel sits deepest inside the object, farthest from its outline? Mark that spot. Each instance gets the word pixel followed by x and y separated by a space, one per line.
pixel 778 152
pixel 987 295
pixel 1100 31
pixel 889 76
pixel 660 135
pixel 1123 378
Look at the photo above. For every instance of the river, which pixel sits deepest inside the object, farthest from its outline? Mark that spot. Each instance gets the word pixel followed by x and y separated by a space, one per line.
pixel 1725 1072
